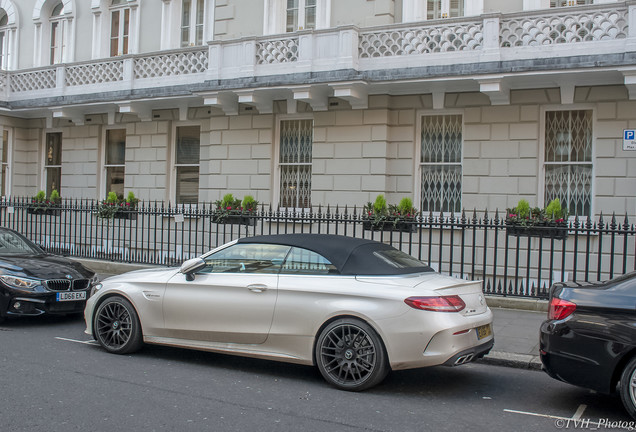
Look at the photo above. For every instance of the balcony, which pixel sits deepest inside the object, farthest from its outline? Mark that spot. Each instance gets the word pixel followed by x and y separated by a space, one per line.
pixel 491 54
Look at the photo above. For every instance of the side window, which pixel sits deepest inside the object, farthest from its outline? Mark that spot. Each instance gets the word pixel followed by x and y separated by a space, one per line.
pixel 119 28
pixel 247 258
pixel 303 261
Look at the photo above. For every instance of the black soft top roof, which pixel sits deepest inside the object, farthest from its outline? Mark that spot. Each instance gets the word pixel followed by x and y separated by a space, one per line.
pixel 351 256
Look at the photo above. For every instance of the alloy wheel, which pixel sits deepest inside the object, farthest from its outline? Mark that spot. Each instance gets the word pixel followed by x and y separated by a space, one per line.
pixel 114 325
pixel 348 355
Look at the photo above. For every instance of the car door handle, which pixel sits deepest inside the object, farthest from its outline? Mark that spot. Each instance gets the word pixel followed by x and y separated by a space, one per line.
pixel 257 288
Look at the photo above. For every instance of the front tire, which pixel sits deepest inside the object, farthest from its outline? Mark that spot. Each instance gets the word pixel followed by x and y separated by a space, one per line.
pixel 117 327
pixel 350 355
pixel 627 388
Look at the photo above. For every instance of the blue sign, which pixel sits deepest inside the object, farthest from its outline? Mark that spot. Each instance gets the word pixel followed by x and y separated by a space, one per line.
pixel 629 140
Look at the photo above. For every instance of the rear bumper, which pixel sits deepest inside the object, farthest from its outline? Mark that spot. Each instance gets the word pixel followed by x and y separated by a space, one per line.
pixel 471 354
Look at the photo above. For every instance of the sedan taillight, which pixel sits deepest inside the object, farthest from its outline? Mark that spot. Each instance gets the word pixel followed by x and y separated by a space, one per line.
pixel 437 303
pixel 560 309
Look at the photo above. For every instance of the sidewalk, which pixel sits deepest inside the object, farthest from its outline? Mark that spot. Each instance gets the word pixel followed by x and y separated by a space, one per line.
pixel 516 338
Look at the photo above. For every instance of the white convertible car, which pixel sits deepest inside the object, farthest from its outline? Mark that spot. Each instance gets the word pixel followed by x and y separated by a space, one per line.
pixel 355 308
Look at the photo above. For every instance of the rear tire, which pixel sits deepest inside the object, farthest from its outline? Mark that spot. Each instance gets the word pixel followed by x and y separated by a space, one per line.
pixel 350 355
pixel 627 388
pixel 117 326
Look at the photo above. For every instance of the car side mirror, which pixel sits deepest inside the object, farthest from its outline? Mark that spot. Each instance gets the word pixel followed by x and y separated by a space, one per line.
pixel 191 266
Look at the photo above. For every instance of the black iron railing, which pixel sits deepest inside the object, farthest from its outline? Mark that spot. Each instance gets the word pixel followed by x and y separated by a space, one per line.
pixel 469 245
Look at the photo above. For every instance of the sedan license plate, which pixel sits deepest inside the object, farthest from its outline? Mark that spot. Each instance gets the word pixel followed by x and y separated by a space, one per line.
pixel 71 296
pixel 483 331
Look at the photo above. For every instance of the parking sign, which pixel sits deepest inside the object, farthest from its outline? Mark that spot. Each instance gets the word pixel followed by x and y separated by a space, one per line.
pixel 629 140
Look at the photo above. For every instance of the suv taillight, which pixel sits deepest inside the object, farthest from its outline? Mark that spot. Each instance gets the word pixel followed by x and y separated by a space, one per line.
pixel 560 309
pixel 437 303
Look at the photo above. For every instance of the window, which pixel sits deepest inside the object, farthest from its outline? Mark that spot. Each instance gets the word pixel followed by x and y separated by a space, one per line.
pixel 4 165
pixel 247 258
pixel 57 35
pixel 53 162
pixel 564 3
pixel 436 9
pixel 302 261
pixel 440 163
pixel 301 14
pixel 568 160
pixel 119 28
pixel 4 40
pixel 115 160
pixel 192 15
pixel 296 139
pixel 187 164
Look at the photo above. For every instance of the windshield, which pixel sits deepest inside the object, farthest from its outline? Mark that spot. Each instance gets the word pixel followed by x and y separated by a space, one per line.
pixel 12 244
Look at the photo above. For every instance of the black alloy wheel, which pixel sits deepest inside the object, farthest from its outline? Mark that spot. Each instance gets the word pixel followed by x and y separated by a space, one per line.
pixel 350 355
pixel 117 326
pixel 628 387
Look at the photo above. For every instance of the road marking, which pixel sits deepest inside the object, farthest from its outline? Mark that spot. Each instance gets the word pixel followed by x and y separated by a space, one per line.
pixel 537 415
pixel 579 412
pixel 88 342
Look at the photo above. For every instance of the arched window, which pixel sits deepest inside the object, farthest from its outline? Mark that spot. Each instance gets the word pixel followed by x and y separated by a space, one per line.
pixel 57 35
pixel 119 27
pixel 192 20
pixel 4 40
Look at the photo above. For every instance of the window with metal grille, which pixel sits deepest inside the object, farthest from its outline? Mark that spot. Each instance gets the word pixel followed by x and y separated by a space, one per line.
pixel 301 14
pixel 53 162
pixel 115 160
pixel 568 160
pixel 192 14
pixel 441 163
pixel 436 9
pixel 296 140
pixel 187 157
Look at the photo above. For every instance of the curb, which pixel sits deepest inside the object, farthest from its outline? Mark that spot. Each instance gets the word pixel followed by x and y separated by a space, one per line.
pixel 512 360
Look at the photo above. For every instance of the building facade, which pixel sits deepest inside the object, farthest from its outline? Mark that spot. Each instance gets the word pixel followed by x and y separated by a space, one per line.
pixel 454 104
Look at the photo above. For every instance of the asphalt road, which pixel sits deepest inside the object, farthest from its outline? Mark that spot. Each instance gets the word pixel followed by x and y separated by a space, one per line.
pixel 55 379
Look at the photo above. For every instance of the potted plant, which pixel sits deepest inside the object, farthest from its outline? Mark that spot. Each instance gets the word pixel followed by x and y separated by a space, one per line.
pixel 231 210
pixel 40 204
pixel 380 216
pixel 550 222
pixel 115 206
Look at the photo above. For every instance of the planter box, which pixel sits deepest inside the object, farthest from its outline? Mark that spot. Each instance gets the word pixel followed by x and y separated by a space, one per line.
pixel 390 226
pixel 558 232
pixel 125 214
pixel 236 220
pixel 40 210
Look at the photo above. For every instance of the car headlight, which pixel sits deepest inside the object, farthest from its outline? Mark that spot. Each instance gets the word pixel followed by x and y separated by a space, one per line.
pixel 20 283
pixel 95 288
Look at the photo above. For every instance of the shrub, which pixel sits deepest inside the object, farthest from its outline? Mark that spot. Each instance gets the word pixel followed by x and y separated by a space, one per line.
pixel 405 207
pixel 379 206
pixel 554 210
pixel 40 196
pixel 249 203
pixel 522 209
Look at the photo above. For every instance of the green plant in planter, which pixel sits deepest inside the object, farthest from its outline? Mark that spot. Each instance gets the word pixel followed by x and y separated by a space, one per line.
pixel 379 213
pixel 229 206
pixel 554 211
pixel 404 209
pixel 249 204
pixel 132 200
pixel 40 197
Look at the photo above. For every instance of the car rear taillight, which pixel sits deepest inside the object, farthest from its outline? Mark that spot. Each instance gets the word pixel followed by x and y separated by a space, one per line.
pixel 560 309
pixel 437 303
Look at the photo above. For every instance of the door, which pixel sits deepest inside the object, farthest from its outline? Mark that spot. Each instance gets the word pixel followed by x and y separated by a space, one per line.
pixel 231 300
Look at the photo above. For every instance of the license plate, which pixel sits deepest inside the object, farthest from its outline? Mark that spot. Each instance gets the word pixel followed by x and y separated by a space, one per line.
pixel 71 296
pixel 483 331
